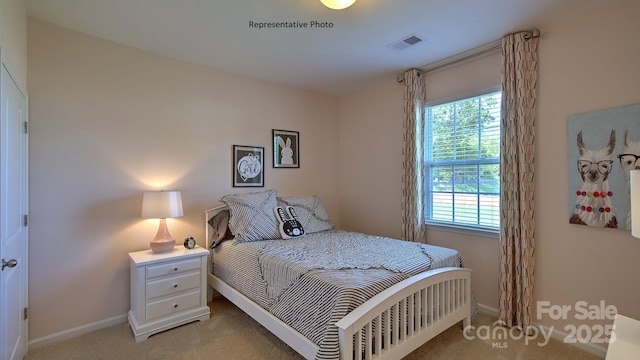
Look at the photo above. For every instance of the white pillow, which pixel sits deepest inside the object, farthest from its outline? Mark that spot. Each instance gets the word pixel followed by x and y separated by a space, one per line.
pixel 311 213
pixel 252 217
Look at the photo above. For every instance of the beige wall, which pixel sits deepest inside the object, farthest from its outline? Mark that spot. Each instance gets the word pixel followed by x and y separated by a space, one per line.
pixel 109 122
pixel 13 37
pixel 370 133
pixel 586 64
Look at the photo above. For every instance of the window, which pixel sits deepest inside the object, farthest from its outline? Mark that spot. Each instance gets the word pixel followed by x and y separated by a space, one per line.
pixel 462 160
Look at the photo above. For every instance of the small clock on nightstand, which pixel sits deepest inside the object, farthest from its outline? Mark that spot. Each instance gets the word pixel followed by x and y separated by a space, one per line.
pixel 189 242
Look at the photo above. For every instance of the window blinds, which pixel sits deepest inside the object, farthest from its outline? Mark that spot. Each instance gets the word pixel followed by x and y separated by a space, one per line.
pixel 462 160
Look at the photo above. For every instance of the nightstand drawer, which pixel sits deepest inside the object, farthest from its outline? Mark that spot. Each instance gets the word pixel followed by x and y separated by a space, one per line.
pixel 174 304
pixel 172 268
pixel 172 285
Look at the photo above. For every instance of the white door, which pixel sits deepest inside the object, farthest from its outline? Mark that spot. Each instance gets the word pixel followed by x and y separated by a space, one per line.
pixel 13 211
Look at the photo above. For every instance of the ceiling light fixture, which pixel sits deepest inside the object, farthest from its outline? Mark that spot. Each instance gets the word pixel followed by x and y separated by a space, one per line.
pixel 337 4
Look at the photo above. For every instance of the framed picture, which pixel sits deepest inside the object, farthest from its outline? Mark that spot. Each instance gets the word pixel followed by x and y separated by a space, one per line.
pixel 286 149
pixel 248 166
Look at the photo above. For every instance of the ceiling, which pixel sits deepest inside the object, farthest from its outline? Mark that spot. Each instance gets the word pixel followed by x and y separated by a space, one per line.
pixel 349 53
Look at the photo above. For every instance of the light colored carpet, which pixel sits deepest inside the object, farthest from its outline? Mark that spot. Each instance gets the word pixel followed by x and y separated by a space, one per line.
pixel 231 334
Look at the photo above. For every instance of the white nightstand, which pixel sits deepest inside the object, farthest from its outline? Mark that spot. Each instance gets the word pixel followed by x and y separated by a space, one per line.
pixel 626 335
pixel 167 290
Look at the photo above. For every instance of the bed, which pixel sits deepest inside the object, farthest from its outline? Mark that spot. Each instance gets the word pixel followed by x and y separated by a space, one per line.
pixel 318 295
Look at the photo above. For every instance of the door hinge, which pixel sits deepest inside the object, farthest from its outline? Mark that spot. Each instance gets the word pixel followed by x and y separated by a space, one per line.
pixel 25 220
pixel 26 127
pixel 25 313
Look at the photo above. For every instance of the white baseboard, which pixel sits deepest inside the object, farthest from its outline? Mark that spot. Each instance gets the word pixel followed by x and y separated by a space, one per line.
pixel 556 334
pixel 487 310
pixel 76 331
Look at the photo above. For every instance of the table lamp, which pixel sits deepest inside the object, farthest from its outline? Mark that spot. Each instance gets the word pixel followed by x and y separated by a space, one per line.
pixel 162 205
pixel 634 191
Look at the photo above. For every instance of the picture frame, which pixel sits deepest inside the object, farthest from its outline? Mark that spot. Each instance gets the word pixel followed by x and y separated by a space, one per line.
pixel 286 149
pixel 248 166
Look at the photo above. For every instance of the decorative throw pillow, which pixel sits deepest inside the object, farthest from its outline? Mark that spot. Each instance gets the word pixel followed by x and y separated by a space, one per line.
pixel 289 226
pixel 310 212
pixel 252 216
pixel 220 228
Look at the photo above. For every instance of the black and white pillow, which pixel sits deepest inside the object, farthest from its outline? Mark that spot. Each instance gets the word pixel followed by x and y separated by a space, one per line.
pixel 310 211
pixel 252 217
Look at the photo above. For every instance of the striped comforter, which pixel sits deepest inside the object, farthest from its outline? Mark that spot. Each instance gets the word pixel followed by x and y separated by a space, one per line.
pixel 312 282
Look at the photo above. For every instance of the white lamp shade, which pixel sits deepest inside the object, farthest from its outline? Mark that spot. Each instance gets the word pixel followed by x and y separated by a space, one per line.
pixel 635 202
pixel 338 4
pixel 161 204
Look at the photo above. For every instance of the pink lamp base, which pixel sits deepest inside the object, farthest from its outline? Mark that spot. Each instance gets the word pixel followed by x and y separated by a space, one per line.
pixel 163 242
pixel 161 246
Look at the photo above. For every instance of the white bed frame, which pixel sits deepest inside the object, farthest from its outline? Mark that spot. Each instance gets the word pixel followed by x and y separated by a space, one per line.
pixel 408 313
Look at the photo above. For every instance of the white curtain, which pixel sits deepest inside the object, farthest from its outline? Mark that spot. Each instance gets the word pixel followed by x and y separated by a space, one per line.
pixel 413 227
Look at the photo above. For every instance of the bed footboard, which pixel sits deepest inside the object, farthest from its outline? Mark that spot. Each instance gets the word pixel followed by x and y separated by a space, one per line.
pixel 400 319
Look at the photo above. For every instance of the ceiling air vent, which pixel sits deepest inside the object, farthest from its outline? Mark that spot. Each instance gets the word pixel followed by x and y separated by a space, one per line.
pixel 405 42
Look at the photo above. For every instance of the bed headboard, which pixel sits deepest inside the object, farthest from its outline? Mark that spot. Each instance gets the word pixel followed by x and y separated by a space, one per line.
pixel 219 206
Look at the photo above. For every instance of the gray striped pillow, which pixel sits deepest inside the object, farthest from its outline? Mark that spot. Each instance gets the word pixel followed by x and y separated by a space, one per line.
pixel 252 217
pixel 311 213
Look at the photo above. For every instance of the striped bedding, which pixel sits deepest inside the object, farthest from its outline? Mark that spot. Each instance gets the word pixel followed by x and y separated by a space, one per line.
pixel 312 282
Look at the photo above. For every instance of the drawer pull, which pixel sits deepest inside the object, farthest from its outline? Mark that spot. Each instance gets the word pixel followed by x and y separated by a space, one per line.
pixel 175 306
pixel 175 286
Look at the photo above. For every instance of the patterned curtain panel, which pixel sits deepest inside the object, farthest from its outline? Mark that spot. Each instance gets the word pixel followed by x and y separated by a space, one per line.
pixel 519 76
pixel 413 228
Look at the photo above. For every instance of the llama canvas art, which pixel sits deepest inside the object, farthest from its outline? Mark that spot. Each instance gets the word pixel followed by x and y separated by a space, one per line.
pixel 593 200
pixel 602 151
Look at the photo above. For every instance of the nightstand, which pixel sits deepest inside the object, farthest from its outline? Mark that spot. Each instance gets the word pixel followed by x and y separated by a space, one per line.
pixel 625 339
pixel 167 290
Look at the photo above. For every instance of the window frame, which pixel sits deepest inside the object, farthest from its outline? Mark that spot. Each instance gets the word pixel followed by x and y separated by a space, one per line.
pixel 474 230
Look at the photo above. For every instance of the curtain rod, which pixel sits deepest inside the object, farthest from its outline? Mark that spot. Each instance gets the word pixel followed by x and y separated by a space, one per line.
pixel 465 56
